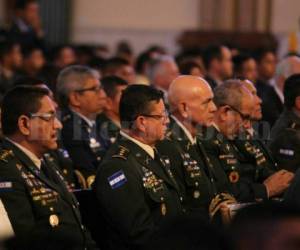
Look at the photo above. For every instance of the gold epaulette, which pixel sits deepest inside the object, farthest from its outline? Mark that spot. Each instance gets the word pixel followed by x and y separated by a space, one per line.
pixel 122 153
pixel 90 180
pixel 5 155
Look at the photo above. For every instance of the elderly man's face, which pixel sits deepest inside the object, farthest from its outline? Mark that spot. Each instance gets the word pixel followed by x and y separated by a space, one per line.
pixel 201 108
pixel 238 119
pixel 256 108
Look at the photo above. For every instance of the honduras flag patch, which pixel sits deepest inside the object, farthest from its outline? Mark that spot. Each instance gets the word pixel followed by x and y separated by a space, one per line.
pixel 117 179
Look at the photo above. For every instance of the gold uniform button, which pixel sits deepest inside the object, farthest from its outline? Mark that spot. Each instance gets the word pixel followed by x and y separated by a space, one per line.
pixel 196 194
pixel 181 199
pixel 53 220
pixel 51 209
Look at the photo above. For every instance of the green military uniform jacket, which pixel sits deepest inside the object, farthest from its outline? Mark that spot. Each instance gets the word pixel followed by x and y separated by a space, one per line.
pixel 245 181
pixel 136 194
pixel 190 169
pixel 285 141
pixel 42 212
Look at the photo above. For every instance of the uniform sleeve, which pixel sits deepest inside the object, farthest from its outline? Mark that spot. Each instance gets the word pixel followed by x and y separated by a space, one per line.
pixel 16 202
pixel 121 197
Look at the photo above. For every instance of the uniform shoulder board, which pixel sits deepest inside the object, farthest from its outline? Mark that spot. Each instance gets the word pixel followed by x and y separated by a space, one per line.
pixel 6 155
pixel 121 152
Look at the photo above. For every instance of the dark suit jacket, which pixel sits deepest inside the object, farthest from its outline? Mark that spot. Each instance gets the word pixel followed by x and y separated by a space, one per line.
pixel 43 214
pixel 271 104
pixel 85 146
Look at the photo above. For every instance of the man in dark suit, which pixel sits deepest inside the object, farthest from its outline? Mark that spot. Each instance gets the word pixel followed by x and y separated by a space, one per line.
pixel 135 186
pixel 82 98
pixel 218 63
pixel 27 27
pixel 42 212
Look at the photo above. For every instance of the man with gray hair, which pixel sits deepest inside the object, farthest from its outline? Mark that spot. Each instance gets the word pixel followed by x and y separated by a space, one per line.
pixel 250 182
pixel 81 98
pixel 272 96
pixel 162 71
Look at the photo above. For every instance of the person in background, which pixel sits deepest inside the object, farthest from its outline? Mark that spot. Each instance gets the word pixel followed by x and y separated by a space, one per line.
pixel 245 67
pixel 119 67
pixel 161 72
pixel 218 63
pixel 10 63
pixel 109 120
pixel 27 27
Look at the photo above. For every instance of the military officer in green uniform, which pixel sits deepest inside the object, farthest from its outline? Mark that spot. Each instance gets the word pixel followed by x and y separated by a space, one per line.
pixel 249 181
pixel 191 106
pixel 135 186
pixel 42 212
pixel 285 135
pixel 249 142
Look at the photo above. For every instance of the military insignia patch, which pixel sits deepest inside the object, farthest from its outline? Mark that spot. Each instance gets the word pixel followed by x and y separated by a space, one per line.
pixel 117 179
pixel 5 155
pixel 121 153
pixel 234 176
pixel 5 186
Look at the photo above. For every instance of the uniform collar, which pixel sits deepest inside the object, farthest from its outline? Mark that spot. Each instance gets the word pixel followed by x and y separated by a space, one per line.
pixel 90 122
pixel 187 133
pixel 145 147
pixel 37 162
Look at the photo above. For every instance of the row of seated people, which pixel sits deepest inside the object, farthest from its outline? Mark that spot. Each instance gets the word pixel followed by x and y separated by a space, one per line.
pixel 209 159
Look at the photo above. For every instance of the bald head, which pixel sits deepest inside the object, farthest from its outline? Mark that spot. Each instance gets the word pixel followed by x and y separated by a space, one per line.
pixel 190 97
pixel 185 87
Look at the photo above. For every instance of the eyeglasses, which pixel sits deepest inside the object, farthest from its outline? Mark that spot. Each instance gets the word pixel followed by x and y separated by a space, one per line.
pixel 44 116
pixel 163 117
pixel 243 116
pixel 94 89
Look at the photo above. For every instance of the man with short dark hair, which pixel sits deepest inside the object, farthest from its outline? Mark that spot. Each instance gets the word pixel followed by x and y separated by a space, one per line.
pixel 135 187
pixel 109 120
pixel 120 67
pixel 218 63
pixel 10 63
pixel 39 206
pixel 285 140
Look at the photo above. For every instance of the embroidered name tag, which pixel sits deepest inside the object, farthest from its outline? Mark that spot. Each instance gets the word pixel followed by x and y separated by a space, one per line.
pixel 286 152
pixel 5 186
pixel 117 179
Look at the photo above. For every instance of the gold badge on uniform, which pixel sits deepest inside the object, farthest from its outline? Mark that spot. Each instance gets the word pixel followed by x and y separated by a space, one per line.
pixel 234 176
pixel 163 208
pixel 53 220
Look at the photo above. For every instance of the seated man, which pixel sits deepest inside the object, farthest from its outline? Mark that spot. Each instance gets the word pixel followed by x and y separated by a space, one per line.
pixel 285 135
pixel 109 120
pixel 39 206
pixel 249 182
pixel 191 106
pixel 135 187
pixel 82 98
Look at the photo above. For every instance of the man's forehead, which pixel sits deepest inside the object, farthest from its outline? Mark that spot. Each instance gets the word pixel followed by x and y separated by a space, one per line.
pixel 47 104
